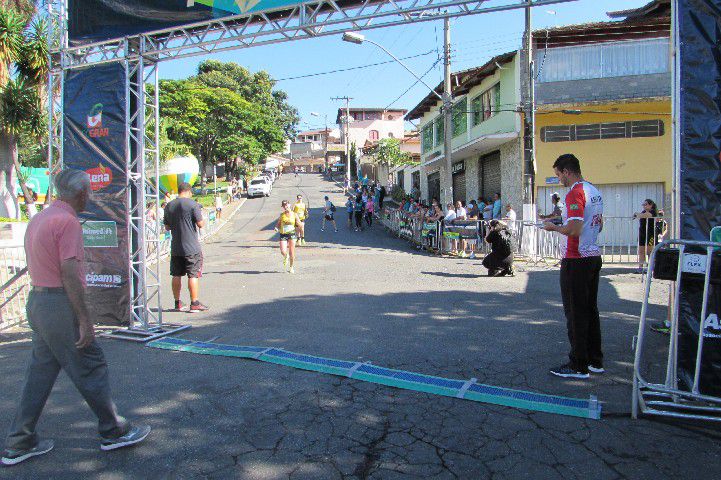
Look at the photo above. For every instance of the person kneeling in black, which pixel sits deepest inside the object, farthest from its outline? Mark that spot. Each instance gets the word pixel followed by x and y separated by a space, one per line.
pixel 500 261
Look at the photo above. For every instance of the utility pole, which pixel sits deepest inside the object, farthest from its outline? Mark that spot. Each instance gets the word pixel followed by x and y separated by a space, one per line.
pixel 529 178
pixel 447 109
pixel 346 140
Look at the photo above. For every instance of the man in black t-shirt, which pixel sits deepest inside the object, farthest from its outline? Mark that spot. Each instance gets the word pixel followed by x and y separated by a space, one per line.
pixel 500 261
pixel 183 217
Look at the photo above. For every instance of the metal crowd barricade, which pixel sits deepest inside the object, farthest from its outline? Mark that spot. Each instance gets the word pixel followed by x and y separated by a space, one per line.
pixel 669 398
pixel 14 286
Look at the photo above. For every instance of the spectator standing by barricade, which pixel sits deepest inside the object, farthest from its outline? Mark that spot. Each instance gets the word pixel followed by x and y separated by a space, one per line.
pixel 580 269
pixel 650 228
pixel 448 220
pixel 183 218
pixel 488 210
pixel 63 333
pixel 381 196
pixel 556 214
pixel 473 212
pixel 497 206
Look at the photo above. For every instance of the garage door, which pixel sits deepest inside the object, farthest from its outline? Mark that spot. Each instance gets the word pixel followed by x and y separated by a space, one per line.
pixel 459 186
pixel 620 202
pixel 489 174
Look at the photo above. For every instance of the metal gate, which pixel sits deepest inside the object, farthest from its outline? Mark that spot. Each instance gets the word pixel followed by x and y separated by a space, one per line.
pixel 619 201
pixel 489 174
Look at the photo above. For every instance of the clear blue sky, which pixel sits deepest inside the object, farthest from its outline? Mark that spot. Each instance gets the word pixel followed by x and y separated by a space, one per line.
pixel 474 40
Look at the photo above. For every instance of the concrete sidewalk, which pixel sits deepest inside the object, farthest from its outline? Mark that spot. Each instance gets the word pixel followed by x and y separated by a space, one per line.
pixel 365 296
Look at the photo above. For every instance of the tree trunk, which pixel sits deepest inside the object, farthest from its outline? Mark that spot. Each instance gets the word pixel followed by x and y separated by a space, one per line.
pixel 8 199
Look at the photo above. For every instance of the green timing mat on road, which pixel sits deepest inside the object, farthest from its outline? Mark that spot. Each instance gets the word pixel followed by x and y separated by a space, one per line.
pixel 464 389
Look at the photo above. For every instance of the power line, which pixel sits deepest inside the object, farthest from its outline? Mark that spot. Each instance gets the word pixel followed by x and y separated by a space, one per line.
pixel 414 83
pixel 358 67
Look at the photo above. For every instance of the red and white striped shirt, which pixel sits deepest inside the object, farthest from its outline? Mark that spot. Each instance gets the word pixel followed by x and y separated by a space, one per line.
pixel 583 202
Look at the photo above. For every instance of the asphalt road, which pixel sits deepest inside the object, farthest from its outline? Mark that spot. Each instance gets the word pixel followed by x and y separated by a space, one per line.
pixel 370 297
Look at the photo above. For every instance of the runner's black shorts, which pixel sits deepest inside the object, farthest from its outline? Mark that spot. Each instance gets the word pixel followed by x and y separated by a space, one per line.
pixel 287 236
pixel 329 216
pixel 190 265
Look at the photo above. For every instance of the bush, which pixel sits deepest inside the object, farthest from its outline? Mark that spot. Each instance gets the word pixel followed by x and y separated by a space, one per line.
pixel 398 194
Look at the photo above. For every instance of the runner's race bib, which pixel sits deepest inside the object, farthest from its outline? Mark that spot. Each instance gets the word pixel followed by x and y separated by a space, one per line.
pixel 287 229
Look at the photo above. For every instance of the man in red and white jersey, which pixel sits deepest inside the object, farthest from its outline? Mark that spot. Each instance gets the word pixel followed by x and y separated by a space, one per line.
pixel 580 269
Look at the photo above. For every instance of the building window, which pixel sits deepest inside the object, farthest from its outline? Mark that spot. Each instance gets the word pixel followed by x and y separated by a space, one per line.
pixel 458 114
pixel 603 60
pixel 487 104
pixel 390 117
pixel 602 131
pixel 416 179
pixel 390 134
pixel 401 179
pixel 373 115
pixel 427 137
pixel 440 132
pixel 373 135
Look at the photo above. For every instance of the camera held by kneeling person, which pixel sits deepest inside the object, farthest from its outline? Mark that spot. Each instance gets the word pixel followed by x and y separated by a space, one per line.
pixel 500 261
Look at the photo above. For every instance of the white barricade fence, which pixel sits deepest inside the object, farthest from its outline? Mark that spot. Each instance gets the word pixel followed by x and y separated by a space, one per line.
pixel 619 240
pixel 14 286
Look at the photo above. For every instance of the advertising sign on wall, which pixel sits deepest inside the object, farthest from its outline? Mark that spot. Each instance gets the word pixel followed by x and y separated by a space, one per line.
pixel 94 141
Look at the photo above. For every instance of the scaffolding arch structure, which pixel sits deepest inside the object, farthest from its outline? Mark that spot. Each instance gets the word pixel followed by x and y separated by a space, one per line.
pixel 141 55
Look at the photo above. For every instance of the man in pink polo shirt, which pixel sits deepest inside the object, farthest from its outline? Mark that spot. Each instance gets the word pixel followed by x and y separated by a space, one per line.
pixel 63 335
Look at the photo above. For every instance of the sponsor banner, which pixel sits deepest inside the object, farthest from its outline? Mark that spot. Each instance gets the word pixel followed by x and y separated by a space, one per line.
pixel 94 136
pixel 100 234
pixel 699 24
pixel 96 20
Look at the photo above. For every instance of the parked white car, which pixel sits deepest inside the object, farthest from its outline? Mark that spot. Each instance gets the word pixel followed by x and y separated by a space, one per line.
pixel 259 187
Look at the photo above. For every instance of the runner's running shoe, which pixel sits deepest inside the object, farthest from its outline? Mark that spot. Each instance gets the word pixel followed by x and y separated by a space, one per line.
pixel 567 371
pixel 196 307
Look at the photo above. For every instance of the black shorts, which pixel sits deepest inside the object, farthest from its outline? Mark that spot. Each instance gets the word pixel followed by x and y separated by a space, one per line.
pixel 287 236
pixel 190 265
pixel 350 215
pixel 329 216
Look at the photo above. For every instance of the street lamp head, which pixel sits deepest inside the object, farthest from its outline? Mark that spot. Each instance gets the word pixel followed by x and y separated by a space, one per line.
pixel 353 37
pixel 314 114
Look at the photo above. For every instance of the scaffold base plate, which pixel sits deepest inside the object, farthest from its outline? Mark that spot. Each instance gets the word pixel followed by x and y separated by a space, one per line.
pixel 142 335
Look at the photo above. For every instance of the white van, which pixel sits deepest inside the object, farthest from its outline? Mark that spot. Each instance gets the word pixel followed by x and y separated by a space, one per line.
pixel 259 187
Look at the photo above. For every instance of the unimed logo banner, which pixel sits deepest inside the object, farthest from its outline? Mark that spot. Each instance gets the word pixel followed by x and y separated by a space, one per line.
pixel 94 141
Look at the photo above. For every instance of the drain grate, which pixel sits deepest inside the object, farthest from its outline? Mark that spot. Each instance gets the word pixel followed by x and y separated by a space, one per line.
pixel 468 390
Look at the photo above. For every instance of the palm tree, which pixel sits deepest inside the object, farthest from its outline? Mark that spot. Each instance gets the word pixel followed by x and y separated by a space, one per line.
pixel 23 69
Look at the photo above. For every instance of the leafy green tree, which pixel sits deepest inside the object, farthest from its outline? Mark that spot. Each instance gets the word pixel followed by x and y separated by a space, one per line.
pixel 23 69
pixel 226 114
pixel 388 152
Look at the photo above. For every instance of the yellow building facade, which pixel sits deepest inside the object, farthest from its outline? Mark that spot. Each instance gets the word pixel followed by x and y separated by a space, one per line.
pixel 624 147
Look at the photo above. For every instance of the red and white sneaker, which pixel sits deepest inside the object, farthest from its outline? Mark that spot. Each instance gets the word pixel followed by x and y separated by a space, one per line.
pixel 196 307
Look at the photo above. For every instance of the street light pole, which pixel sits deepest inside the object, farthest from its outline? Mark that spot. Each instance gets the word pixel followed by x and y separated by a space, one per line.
pixel 447 109
pixel 446 98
